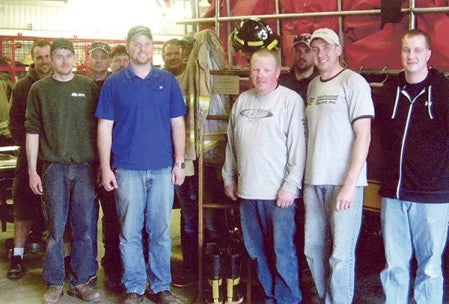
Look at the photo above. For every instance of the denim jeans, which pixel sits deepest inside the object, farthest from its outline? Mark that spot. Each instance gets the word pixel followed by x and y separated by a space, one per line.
pixel 69 198
pixel 330 241
pixel 268 233
pixel 144 199
pixel 422 228
pixel 94 238
pixel 187 197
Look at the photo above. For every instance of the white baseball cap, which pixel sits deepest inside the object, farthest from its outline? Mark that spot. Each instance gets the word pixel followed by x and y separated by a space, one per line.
pixel 327 35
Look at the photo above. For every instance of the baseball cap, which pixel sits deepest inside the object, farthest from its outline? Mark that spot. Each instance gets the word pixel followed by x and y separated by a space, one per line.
pixel 119 50
pixel 303 38
pixel 61 43
pixel 139 30
pixel 97 45
pixel 327 35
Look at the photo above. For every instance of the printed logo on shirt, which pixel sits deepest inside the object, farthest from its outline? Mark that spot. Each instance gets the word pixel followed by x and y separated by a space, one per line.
pixel 323 99
pixel 78 94
pixel 327 99
pixel 256 113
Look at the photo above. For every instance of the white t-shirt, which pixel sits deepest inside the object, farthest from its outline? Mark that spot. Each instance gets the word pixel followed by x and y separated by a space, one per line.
pixel 332 106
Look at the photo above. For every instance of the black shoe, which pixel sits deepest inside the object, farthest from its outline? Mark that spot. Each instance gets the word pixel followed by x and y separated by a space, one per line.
pixel 133 298
pixel 114 285
pixel 184 280
pixel 67 267
pixel 16 268
pixel 163 297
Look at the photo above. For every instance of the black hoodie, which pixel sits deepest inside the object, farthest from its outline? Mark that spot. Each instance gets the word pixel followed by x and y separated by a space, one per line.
pixel 18 106
pixel 415 140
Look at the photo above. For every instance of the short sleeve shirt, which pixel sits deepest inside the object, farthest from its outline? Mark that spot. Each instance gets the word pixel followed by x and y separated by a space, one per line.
pixel 141 110
pixel 332 107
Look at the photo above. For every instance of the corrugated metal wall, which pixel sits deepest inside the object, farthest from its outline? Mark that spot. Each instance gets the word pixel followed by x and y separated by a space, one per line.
pixel 37 18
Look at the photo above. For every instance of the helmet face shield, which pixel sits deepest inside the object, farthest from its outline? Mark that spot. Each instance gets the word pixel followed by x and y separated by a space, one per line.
pixel 253 34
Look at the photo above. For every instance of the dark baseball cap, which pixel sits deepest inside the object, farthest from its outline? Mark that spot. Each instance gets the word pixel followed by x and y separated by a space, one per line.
pixel 61 43
pixel 119 50
pixel 139 30
pixel 98 45
pixel 303 38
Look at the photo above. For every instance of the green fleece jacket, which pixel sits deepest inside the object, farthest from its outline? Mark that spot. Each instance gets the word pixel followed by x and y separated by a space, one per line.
pixel 62 114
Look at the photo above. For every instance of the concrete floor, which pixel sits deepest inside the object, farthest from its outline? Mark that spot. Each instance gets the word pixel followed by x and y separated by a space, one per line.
pixel 30 289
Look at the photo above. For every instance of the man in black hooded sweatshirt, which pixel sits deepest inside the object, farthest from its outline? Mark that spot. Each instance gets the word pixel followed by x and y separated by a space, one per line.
pixel 414 117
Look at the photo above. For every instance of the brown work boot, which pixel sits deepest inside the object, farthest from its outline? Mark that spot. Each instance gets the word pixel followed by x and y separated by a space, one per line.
pixel 53 294
pixel 85 293
pixel 163 297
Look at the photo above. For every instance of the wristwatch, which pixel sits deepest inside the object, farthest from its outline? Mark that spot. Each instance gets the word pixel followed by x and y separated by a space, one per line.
pixel 180 165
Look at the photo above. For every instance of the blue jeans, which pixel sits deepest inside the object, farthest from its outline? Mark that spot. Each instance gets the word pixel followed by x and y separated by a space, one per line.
pixel 268 233
pixel 422 228
pixel 94 238
pixel 144 199
pixel 187 197
pixel 330 241
pixel 69 198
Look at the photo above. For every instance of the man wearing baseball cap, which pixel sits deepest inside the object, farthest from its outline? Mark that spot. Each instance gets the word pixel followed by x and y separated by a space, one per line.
pixel 303 70
pixel 100 57
pixel 61 43
pixel 338 116
pixel 120 58
pixel 144 108
pixel 60 128
pixel 99 62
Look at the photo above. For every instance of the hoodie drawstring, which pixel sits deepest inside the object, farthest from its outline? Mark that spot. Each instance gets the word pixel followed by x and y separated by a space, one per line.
pixel 429 102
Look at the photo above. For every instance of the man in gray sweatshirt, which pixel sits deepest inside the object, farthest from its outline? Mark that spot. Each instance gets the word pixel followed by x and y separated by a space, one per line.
pixel 265 158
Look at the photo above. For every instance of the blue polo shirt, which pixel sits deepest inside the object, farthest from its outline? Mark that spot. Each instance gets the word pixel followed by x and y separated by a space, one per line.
pixel 141 110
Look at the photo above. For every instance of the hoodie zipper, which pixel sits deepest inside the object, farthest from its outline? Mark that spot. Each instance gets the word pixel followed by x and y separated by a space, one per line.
pixel 404 136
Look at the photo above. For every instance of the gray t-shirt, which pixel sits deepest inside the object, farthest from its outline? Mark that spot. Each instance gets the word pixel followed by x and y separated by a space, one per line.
pixel 332 107
pixel 266 144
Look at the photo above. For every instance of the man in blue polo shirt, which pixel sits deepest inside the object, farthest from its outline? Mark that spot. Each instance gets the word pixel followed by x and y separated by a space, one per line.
pixel 141 122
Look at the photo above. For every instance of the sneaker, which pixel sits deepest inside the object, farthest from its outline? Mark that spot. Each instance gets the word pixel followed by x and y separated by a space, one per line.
pixel 53 294
pixel 185 280
pixel 16 268
pixel 163 297
pixel 84 292
pixel 133 298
